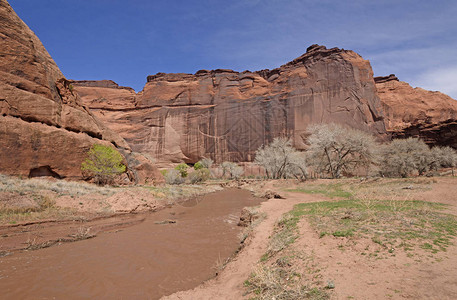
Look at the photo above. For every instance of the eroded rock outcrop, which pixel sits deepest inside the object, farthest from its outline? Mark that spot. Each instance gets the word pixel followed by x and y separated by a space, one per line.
pixel 44 127
pixel 416 112
pixel 228 115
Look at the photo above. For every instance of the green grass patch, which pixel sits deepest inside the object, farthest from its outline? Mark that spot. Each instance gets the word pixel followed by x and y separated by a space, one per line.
pixel 343 233
pixel 328 190
pixel 392 224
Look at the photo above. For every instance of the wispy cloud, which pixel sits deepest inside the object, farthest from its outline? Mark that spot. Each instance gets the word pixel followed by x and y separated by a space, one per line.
pixel 441 79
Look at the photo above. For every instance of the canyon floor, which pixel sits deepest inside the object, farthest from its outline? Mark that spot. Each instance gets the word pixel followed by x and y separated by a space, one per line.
pixel 347 239
pixel 325 239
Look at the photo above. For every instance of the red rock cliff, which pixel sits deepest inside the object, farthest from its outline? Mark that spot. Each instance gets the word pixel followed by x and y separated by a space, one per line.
pixel 416 112
pixel 44 128
pixel 227 115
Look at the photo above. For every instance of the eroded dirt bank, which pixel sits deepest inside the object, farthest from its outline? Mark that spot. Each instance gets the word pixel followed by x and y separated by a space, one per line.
pixel 146 261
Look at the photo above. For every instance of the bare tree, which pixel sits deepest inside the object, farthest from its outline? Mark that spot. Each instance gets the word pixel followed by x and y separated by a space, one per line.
pixel 298 166
pixel 334 149
pixel 402 157
pixel 206 162
pixel 444 157
pixel 173 177
pixel 232 169
pixel 281 160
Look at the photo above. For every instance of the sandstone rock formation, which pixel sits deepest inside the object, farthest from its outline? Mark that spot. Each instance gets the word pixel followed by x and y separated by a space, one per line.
pixel 44 128
pixel 416 112
pixel 228 115
pixel 48 123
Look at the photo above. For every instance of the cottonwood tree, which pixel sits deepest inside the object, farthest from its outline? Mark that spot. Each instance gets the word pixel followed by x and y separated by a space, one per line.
pixel 281 160
pixel 298 166
pixel 402 157
pixel 232 169
pixel 103 163
pixel 334 149
pixel 444 157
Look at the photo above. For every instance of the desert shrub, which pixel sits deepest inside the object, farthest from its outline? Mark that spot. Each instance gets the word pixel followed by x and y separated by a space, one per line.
pixel 198 165
pixel 402 157
pixel 281 160
pixel 231 169
pixel 334 149
pixel 199 175
pixel 206 162
pixel 182 168
pixel 173 177
pixel 443 157
pixel 103 163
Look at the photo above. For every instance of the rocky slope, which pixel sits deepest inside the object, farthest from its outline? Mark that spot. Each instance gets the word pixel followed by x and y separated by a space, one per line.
pixel 416 112
pixel 44 127
pixel 227 115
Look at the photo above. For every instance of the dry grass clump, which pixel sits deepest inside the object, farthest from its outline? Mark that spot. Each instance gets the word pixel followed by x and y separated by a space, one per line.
pixel 284 277
pixel 176 192
pixel 25 200
pixel 286 233
pixel 278 282
pixel 61 187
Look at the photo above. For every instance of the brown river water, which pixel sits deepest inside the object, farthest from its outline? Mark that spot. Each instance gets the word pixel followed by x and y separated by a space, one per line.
pixel 145 261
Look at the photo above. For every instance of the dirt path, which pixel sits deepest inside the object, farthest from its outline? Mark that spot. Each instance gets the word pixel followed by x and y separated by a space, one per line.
pixel 229 283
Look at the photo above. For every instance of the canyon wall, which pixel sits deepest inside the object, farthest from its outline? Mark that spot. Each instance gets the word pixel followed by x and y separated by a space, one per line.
pixel 48 123
pixel 415 112
pixel 44 127
pixel 228 115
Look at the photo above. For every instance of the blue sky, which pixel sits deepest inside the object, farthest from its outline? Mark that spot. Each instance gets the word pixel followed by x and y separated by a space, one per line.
pixel 127 40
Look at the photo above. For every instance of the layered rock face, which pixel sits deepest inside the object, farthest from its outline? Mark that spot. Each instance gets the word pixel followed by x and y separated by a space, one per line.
pixel 44 128
pixel 416 112
pixel 227 115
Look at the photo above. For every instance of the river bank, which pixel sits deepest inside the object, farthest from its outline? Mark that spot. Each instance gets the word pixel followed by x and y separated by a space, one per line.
pixel 39 213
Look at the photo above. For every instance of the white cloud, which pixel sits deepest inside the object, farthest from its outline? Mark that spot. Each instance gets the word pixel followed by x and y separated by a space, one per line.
pixel 442 79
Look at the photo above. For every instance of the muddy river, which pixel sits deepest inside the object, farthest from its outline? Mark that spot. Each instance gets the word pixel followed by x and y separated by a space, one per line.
pixel 145 261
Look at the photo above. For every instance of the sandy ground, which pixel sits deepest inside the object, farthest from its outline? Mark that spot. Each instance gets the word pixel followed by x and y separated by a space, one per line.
pixel 423 276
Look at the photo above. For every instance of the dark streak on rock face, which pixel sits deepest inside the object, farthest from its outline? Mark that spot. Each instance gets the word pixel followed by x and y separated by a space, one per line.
pixel 228 115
